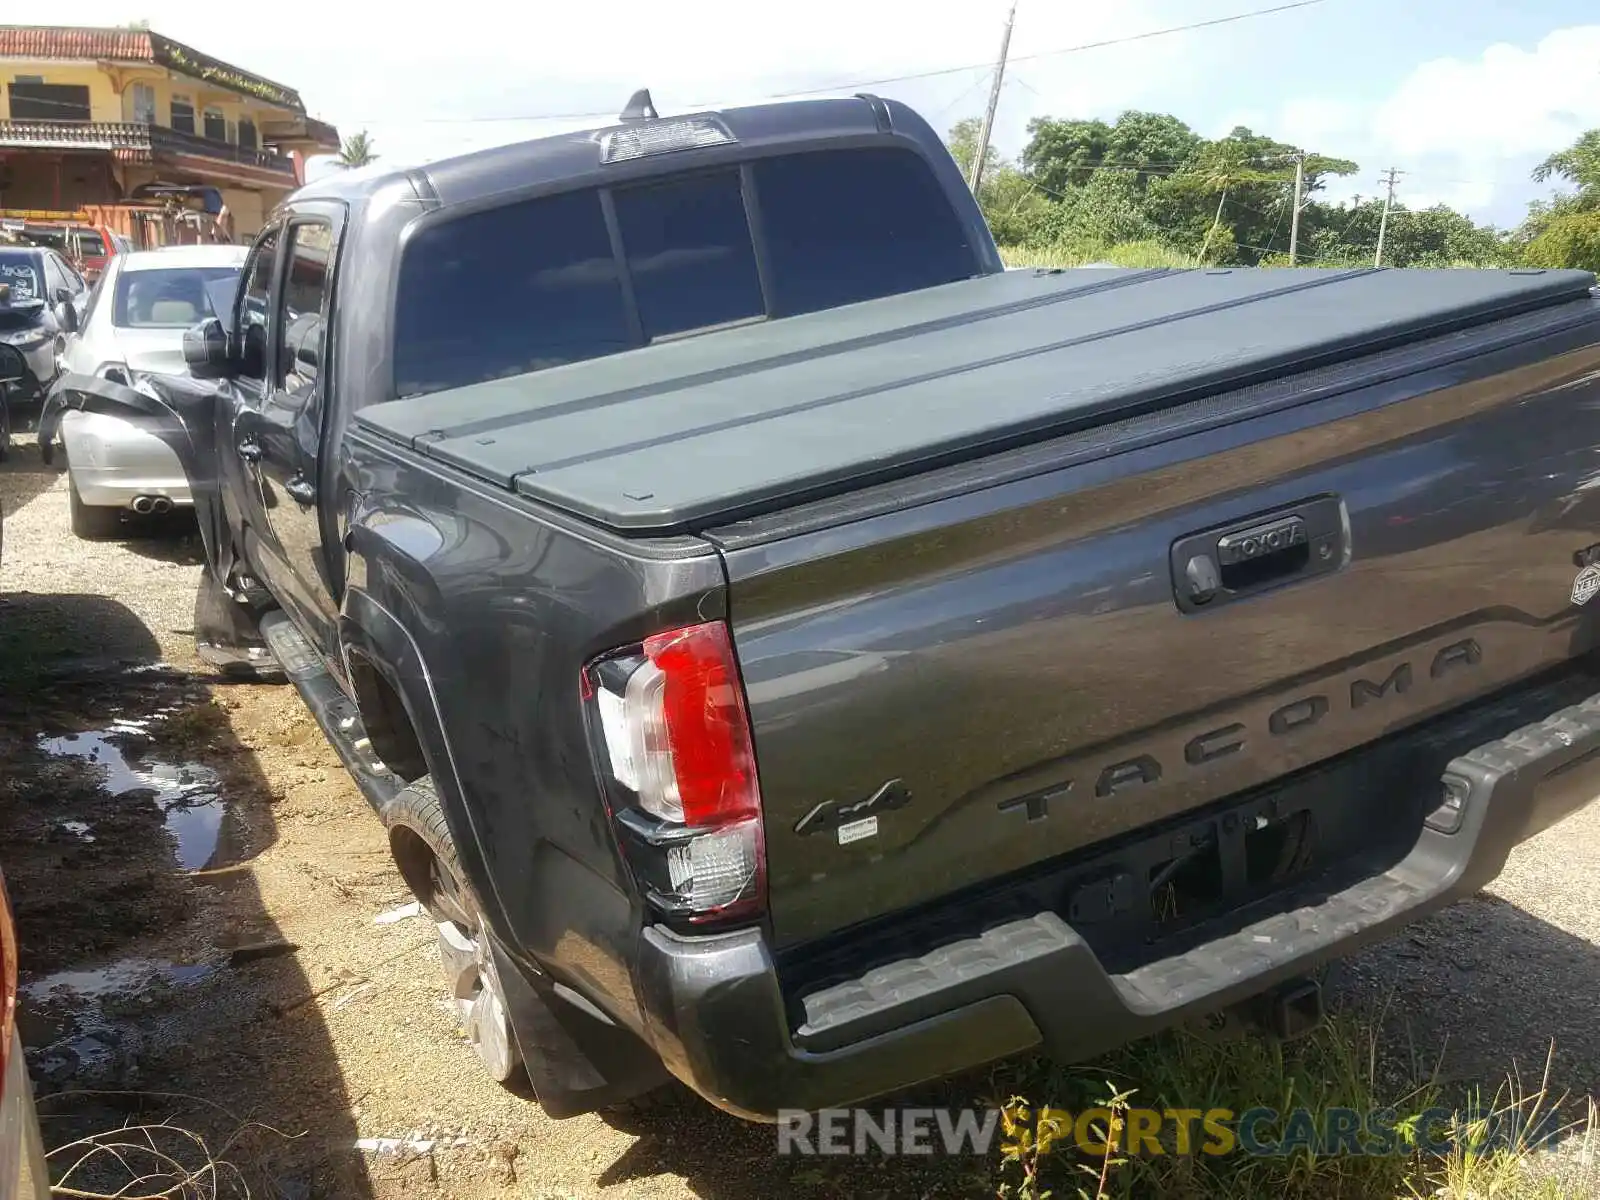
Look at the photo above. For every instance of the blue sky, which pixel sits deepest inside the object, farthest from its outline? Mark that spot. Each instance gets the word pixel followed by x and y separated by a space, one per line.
pixel 1464 96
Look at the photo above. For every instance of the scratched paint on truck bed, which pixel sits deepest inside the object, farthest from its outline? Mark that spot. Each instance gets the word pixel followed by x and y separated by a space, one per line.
pixel 688 433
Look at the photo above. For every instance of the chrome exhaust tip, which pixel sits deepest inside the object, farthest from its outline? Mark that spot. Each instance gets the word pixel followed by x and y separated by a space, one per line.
pixel 143 504
pixel 160 504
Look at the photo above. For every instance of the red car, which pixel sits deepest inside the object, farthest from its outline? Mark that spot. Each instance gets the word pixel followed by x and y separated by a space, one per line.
pixel 22 1170
pixel 86 247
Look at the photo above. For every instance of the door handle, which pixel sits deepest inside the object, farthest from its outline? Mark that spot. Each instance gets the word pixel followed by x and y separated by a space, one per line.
pixel 249 449
pixel 1219 565
pixel 301 491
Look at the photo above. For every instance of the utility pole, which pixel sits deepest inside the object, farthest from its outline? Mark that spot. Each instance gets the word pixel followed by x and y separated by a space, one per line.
pixel 1390 177
pixel 1294 221
pixel 994 102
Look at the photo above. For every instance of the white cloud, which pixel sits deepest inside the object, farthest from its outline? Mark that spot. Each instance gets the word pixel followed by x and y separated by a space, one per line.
pixel 423 80
pixel 1467 132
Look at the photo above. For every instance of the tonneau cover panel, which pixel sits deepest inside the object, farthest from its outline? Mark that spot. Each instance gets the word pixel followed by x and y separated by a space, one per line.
pixel 697 432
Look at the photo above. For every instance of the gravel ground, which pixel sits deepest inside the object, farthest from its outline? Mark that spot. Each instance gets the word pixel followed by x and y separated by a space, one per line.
pixel 278 1000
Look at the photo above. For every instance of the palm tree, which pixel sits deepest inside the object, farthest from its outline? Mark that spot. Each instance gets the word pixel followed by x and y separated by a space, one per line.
pixel 357 151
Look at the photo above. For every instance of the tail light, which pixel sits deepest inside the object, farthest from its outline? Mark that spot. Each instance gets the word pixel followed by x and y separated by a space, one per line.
pixel 675 748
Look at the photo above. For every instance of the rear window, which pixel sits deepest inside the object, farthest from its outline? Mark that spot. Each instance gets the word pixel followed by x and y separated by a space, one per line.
pixel 172 299
pixel 91 245
pixel 845 225
pixel 538 283
pixel 21 273
pixel 25 285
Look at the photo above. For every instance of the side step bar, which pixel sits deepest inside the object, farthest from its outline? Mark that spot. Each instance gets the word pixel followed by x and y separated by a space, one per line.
pixel 335 712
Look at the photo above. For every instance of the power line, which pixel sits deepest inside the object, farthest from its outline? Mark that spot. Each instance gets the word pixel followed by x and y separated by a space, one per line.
pixel 1078 49
pixel 851 85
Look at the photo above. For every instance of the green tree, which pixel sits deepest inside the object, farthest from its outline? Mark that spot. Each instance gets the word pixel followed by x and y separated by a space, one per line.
pixel 962 143
pixel 1560 231
pixel 1568 239
pixel 1578 164
pixel 1011 203
pixel 1221 167
pixel 1064 154
pixel 357 150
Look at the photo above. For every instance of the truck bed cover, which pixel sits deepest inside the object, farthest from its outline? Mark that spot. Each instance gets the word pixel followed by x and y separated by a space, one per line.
pixel 699 431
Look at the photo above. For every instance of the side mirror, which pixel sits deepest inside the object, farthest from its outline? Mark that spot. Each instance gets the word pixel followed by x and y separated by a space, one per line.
pixel 63 296
pixel 67 316
pixel 13 367
pixel 205 350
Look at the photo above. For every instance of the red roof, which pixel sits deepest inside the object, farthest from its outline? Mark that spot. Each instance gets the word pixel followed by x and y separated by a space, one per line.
pixel 46 41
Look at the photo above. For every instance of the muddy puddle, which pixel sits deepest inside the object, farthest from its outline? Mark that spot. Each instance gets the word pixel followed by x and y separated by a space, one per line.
pixel 88 1026
pixel 188 796
pixel 110 815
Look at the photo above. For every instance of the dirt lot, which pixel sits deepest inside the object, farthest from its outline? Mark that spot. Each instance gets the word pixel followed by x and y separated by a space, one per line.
pixel 197 883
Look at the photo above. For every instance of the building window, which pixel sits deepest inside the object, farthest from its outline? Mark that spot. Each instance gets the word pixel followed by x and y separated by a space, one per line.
pixel 247 134
pixel 144 104
pixel 216 128
pixel 32 101
pixel 183 114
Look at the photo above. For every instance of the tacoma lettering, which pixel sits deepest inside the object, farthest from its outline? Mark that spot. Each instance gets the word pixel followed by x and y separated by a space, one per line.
pixel 1285 721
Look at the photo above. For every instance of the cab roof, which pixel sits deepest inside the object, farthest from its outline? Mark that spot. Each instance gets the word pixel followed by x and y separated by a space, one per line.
pixel 565 157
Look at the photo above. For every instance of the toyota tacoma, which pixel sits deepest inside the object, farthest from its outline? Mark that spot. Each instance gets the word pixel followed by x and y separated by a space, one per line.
pixel 793 654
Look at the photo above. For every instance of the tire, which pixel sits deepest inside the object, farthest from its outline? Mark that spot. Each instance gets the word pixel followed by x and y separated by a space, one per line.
pixel 427 858
pixel 5 424
pixel 91 522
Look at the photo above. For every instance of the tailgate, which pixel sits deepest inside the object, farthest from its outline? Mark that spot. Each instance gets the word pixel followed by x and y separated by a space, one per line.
pixel 961 677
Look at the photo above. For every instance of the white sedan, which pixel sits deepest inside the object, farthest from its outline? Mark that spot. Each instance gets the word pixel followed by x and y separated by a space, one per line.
pixel 134 324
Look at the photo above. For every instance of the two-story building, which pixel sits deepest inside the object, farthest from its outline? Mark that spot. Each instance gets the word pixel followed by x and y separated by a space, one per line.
pixel 94 117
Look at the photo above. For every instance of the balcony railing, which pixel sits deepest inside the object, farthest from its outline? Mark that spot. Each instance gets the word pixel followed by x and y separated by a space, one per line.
pixel 129 135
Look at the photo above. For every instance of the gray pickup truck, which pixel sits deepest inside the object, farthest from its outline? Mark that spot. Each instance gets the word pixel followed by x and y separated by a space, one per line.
pixel 794 654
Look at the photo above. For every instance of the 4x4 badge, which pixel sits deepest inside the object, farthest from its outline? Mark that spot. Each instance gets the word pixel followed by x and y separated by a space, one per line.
pixel 1586 584
pixel 855 819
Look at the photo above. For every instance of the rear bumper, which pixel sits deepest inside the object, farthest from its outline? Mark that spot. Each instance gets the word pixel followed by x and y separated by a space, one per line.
pixel 113 461
pixel 716 1011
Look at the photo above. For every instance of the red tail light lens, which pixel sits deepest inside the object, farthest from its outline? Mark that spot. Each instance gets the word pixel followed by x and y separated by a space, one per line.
pixel 707 733
pixel 672 717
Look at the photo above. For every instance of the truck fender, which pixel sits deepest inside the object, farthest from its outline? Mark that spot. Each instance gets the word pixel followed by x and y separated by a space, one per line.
pixel 376 635
pixel 578 1060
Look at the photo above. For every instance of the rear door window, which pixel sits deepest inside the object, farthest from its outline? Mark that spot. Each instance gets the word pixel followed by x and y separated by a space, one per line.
pixel 507 291
pixel 843 226
pixel 688 249
pixel 255 296
pixel 303 307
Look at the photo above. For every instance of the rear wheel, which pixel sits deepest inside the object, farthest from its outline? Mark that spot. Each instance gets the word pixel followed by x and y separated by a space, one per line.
pixel 92 522
pixel 427 859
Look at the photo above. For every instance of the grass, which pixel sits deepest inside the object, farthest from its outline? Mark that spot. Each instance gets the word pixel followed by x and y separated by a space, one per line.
pixel 1124 254
pixel 1157 254
pixel 1442 1146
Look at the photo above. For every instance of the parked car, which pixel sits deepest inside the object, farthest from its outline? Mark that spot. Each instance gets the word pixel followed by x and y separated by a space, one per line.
pixel 793 654
pixel 41 299
pixel 23 1175
pixel 133 326
pixel 12 368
